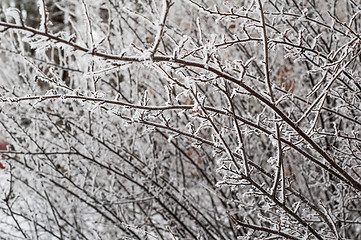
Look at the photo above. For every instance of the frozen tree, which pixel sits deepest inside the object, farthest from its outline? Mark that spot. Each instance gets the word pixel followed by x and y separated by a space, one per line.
pixel 180 119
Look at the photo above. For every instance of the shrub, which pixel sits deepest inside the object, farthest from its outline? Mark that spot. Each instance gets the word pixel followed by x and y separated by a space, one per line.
pixel 180 119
